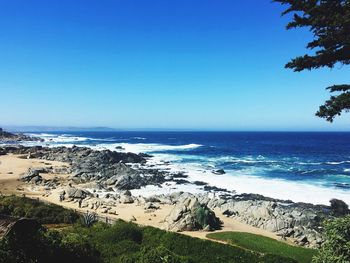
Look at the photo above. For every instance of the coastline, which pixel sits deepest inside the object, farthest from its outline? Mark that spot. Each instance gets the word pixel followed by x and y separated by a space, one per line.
pixel 167 158
pixel 13 167
pixel 100 180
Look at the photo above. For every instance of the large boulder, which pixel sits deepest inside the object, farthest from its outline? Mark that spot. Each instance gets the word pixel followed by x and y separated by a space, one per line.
pixel 112 180
pixel 2 151
pixel 76 193
pixel 339 207
pixel 151 206
pixel 33 176
pixel 190 215
pixel 126 198
pixel 129 181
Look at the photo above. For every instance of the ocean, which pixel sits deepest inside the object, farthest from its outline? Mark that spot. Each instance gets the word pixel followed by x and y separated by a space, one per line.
pixel 300 166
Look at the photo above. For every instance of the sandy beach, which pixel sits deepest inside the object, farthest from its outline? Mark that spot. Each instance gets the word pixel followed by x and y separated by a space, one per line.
pixel 12 167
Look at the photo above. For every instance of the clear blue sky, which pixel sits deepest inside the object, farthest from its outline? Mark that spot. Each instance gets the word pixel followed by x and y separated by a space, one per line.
pixel 175 64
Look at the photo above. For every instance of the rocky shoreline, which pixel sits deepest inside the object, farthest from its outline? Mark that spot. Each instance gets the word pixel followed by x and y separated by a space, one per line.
pixel 7 137
pixel 99 179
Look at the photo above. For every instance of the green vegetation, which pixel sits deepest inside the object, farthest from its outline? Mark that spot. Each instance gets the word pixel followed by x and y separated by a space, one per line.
pixel 124 242
pixel 329 22
pixel 265 245
pixel 30 208
pixel 127 242
pixel 337 246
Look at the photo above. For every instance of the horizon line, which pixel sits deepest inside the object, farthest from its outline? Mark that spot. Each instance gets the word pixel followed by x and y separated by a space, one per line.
pixel 39 128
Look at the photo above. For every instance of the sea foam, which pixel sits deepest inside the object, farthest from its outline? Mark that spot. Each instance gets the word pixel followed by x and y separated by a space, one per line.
pixel 242 181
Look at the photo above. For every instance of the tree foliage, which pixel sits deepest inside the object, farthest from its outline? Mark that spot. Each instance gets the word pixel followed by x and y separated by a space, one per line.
pixel 336 248
pixel 329 22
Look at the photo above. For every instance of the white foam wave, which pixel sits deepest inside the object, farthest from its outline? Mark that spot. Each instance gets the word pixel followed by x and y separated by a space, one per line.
pixel 152 147
pixel 40 135
pixel 248 159
pixel 245 182
pixel 166 188
pixel 141 147
pixel 242 182
pixel 336 163
pixel 62 138
pixel 276 188
pixel 309 163
pixel 69 140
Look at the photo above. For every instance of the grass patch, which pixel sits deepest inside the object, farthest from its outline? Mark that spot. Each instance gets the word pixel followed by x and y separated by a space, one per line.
pixel 265 245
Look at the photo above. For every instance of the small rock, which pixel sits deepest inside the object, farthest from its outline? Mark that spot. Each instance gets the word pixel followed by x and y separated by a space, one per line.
pixel 220 171
pixel 151 205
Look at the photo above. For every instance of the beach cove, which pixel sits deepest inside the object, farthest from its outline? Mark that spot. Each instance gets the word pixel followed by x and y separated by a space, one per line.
pixel 133 187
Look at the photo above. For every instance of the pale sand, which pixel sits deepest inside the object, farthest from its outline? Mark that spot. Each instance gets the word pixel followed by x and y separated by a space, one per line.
pixel 9 184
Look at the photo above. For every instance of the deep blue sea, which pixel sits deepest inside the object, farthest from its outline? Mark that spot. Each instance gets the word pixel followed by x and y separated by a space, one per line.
pixel 298 162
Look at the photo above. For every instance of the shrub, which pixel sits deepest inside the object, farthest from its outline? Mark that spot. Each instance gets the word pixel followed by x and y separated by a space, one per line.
pixel 42 247
pixel 30 208
pixel 336 248
pixel 120 231
pixel 159 254
pixel 88 219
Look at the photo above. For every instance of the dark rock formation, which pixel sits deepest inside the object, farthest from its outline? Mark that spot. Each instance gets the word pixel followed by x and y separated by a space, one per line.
pixel 32 176
pixel 220 171
pixel 107 167
pixel 7 137
pixel 75 193
pixel 339 207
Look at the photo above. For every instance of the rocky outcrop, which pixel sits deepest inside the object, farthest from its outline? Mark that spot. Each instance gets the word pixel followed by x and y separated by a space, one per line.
pixel 33 176
pixel 126 198
pixel 151 206
pixel 301 222
pixel 110 169
pixel 190 215
pixel 7 137
pixel 75 193
pixel 129 181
